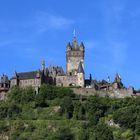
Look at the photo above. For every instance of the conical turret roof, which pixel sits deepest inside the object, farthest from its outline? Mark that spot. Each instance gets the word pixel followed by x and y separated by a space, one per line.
pixel 82 45
pixel 69 46
pixel 80 68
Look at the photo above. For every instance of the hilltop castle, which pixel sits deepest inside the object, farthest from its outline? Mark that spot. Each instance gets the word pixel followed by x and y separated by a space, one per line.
pixel 55 75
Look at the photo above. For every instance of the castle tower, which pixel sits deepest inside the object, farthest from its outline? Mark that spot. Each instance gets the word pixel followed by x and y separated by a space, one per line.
pixel 74 56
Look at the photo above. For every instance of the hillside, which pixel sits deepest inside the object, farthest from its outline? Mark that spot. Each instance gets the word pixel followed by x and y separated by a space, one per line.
pixel 57 113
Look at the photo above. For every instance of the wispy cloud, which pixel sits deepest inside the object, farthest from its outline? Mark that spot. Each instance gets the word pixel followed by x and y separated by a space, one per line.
pixel 20 35
pixel 46 21
pixel 112 49
pixel 90 44
pixel 36 22
pixel 7 42
pixel 108 55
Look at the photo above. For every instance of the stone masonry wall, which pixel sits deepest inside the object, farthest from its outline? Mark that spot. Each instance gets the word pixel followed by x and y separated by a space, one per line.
pixel 119 93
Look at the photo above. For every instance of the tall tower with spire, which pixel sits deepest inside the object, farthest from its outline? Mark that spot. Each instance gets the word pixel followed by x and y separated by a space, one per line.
pixel 43 65
pixel 75 57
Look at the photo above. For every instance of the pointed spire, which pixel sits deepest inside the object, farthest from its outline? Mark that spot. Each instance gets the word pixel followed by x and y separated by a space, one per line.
pixel 68 46
pixel 82 46
pixel 118 78
pixel 90 77
pixel 108 79
pixel 43 64
pixel 74 33
pixel 15 74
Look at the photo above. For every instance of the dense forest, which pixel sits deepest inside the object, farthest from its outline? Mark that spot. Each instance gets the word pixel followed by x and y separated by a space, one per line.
pixel 56 113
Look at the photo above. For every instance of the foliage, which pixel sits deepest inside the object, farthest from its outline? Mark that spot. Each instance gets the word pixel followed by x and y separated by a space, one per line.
pixel 57 113
pixel 103 132
pixel 67 107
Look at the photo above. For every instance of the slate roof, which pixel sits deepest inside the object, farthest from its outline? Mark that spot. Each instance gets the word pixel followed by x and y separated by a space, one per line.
pixel 35 74
pixel 56 71
pixel 60 71
pixel 27 75
pixel 80 68
pixel 82 45
pixel 69 47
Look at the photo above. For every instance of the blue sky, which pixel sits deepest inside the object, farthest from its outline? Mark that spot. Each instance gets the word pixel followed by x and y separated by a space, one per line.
pixel 31 30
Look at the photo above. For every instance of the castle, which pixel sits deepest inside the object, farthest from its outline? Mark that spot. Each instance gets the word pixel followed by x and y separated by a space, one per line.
pixel 55 75
pixel 74 75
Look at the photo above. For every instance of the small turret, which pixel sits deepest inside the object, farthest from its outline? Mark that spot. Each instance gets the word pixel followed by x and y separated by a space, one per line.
pixel 15 79
pixel 69 47
pixel 82 47
pixel 118 82
pixel 118 78
pixel 15 75
pixel 4 79
pixel 80 75
pixel 108 79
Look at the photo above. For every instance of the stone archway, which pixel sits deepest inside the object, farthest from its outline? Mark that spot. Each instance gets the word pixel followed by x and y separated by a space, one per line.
pixel 72 84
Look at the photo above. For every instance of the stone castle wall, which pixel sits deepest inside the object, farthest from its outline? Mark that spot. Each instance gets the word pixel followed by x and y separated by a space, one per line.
pixel 118 93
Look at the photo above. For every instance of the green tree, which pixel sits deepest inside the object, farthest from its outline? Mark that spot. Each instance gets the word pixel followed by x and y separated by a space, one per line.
pixel 47 92
pixel 3 110
pixel 103 132
pixel 15 95
pixel 28 95
pixel 96 108
pixel 64 134
pixel 126 117
pixel 14 111
pixel 67 107
pixel 21 95
pixel 137 127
